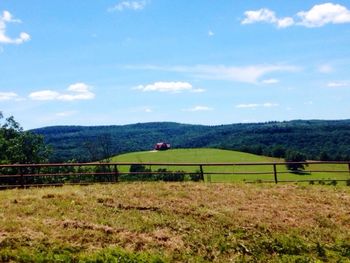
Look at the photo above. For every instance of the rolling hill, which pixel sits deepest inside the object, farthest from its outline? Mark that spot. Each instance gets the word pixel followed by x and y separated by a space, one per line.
pixel 315 138
pixel 229 173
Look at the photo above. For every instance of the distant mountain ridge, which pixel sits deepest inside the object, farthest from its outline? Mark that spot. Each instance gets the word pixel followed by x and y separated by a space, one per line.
pixel 315 138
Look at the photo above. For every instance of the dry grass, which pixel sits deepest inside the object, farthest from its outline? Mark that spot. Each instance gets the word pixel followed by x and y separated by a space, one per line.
pixel 178 222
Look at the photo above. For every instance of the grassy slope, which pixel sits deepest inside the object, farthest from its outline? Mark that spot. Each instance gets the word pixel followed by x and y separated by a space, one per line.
pixel 217 156
pixel 176 222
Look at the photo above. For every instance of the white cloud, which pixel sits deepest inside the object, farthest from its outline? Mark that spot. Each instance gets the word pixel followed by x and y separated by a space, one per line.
pixel 44 95
pixel 317 16
pixel 250 105
pixel 325 68
pixel 198 90
pixel 172 87
pixel 270 81
pixel 65 113
pixel 267 16
pixel 285 22
pixel 210 33
pixel 269 105
pixel 338 84
pixel 131 5
pixel 77 91
pixel 256 105
pixel 6 18
pixel 327 13
pixel 145 109
pixel 199 108
pixel 246 74
pixel 8 96
pixel 261 15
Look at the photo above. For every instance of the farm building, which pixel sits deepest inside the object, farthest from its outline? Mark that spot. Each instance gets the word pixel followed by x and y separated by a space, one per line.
pixel 161 146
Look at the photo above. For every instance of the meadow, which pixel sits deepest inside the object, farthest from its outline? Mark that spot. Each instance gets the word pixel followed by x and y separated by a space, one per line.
pixel 176 222
pixel 208 155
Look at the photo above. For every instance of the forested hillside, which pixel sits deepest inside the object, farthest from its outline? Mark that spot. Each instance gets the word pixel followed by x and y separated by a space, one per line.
pixel 317 139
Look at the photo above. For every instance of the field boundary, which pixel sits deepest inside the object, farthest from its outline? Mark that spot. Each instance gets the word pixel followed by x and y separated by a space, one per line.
pixel 26 175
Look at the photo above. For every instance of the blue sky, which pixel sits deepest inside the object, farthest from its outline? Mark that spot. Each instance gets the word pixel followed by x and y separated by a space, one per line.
pixel 201 61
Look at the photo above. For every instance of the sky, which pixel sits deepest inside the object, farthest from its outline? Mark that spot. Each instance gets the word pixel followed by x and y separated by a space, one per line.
pixel 211 62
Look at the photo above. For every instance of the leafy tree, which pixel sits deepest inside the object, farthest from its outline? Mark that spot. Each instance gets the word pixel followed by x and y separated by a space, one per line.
pixel 293 156
pixel 18 146
pixel 278 151
pixel 99 148
pixel 324 156
pixel 138 172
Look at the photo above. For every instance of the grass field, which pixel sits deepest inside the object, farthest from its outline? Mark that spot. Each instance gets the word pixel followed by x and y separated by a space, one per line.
pixel 176 222
pixel 225 156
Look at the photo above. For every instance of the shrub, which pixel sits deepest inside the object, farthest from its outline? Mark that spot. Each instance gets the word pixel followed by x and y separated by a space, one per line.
pixel 292 156
pixel 177 176
pixel 138 172
pixel 196 177
pixel 333 182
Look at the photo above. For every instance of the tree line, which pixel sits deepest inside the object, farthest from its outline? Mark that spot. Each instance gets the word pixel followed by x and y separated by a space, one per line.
pixel 315 139
pixel 294 141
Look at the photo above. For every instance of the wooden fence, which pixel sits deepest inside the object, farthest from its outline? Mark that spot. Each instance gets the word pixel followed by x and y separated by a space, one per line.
pixel 26 175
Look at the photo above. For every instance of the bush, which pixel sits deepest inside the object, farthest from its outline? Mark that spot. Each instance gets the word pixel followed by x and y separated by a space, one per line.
pixel 138 172
pixel 333 182
pixel 278 151
pixel 292 156
pixel 178 176
pixel 168 176
pixel 196 177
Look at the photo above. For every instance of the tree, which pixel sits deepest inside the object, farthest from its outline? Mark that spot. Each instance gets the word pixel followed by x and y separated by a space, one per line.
pixel 18 146
pixel 324 156
pixel 293 156
pixel 278 151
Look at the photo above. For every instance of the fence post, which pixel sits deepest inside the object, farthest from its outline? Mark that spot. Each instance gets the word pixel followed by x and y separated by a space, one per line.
pixel 275 173
pixel 22 176
pixel 116 173
pixel 201 171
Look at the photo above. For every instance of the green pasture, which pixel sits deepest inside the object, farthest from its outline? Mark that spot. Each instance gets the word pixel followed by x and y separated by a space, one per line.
pixel 225 156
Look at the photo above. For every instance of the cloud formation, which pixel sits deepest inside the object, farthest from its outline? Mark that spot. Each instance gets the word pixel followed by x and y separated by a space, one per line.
pixel 320 15
pixel 65 113
pixel 270 81
pixel 77 91
pixel 256 105
pixel 246 74
pixel 8 96
pixel 6 18
pixel 199 108
pixel 339 84
pixel 267 16
pixel 317 16
pixel 172 87
pixel 325 68
pixel 131 5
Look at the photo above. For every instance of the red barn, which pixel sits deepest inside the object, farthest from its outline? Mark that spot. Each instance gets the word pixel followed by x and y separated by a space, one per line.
pixel 161 146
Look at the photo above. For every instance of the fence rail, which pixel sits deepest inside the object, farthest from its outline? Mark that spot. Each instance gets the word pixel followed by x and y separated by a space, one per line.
pixel 25 175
